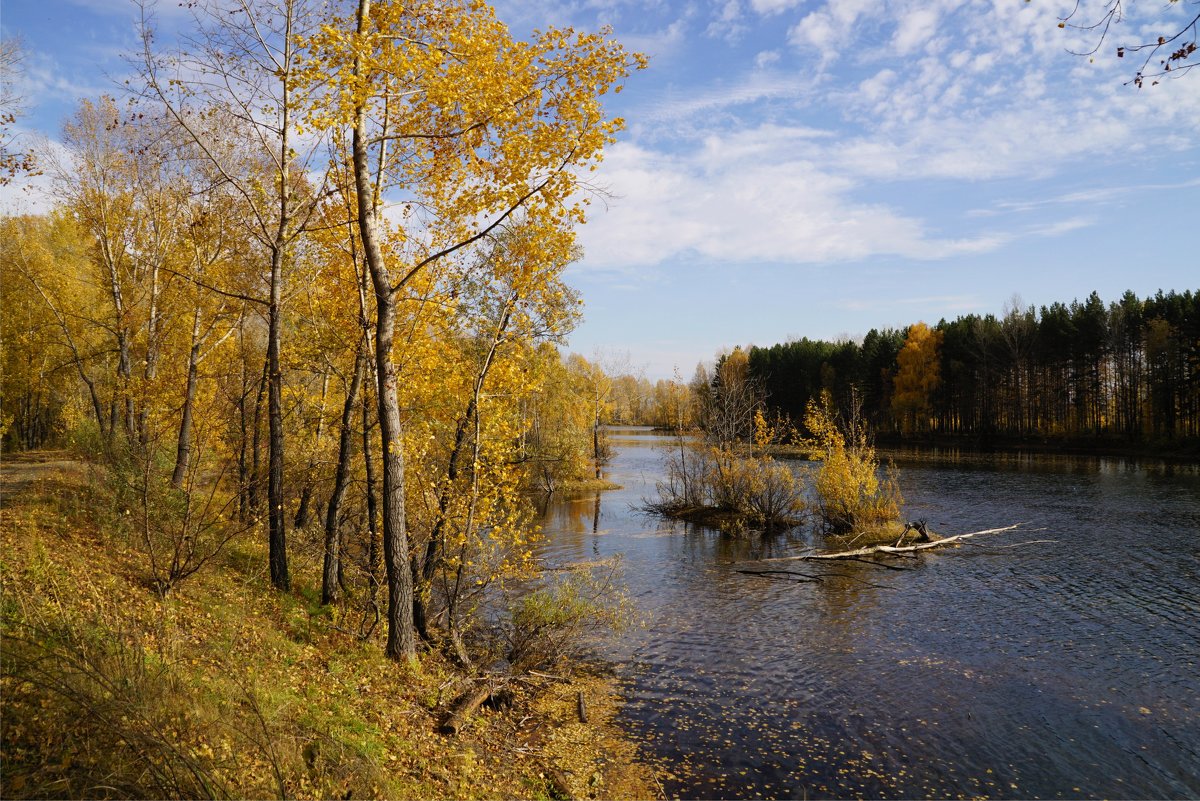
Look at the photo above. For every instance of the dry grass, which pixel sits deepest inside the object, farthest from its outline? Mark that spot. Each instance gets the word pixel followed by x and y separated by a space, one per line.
pixel 228 689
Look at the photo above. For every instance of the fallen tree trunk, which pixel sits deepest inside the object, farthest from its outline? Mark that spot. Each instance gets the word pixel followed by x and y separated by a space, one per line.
pixel 870 550
pixel 581 707
pixel 467 705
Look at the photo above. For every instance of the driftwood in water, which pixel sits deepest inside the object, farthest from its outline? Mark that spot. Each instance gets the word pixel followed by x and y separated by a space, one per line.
pixel 871 550
pixel 918 526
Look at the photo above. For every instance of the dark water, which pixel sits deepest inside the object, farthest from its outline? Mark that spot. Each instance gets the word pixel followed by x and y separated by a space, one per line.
pixel 1059 669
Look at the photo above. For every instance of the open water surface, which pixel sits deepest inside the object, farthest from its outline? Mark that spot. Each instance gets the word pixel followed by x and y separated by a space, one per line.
pixel 1005 668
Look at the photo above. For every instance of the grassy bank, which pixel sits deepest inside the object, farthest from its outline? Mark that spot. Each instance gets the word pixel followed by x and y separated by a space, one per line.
pixel 227 688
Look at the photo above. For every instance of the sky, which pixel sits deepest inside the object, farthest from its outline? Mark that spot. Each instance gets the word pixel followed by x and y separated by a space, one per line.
pixel 796 168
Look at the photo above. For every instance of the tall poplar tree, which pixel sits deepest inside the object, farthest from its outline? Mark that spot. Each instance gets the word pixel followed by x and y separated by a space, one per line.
pixel 464 125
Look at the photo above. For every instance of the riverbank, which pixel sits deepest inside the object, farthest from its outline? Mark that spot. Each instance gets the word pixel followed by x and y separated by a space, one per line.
pixel 228 688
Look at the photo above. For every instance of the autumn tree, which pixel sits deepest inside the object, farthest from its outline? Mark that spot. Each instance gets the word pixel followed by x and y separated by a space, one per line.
pixel 917 376
pixel 1080 371
pixel 632 399
pixel 729 401
pixel 239 68
pixel 466 125
pixel 118 183
pixel 596 384
pixel 210 253
pixel 557 439
pixel 851 495
pixel 468 521
pixel 48 384
pixel 672 405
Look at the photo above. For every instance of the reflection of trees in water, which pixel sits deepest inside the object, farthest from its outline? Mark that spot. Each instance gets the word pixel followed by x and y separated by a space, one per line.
pixel 572 524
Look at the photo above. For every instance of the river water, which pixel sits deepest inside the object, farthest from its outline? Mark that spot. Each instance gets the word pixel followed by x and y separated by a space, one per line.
pixel 1064 668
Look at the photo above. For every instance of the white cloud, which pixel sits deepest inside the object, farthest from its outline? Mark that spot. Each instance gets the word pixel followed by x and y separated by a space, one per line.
pixel 730 173
pixel 657 44
pixel 878 86
pixel 744 198
pixel 33 195
pixel 1096 196
pixel 915 29
pixel 702 107
pixel 829 30
pixel 727 25
pixel 766 58
pixel 769 8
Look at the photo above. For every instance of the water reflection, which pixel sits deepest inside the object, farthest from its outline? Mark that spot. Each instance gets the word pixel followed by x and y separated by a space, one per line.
pixel 1057 670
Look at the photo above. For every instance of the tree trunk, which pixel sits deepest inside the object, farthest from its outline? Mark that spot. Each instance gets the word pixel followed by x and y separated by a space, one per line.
pixel 596 442
pixel 425 568
pixel 183 452
pixel 244 505
pixel 283 234
pixel 256 444
pixel 302 512
pixel 341 478
pixel 276 519
pixel 124 399
pixel 152 353
pixel 373 549
pixel 401 643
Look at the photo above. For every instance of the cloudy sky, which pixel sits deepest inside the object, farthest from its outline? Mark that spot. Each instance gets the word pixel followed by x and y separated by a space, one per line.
pixel 800 168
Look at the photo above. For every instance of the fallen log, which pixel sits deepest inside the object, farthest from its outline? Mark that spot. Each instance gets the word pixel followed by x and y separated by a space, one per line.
pixel 871 550
pixel 467 705
pixel 560 788
pixel 581 707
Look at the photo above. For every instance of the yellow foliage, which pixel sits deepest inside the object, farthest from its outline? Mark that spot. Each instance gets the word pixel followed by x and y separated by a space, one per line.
pixel 917 376
pixel 850 493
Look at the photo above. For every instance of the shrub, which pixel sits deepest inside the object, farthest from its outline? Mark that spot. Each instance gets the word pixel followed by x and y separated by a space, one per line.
pixel 687 484
pixel 776 496
pixel 755 489
pixel 119 717
pixel 850 494
pixel 179 529
pixel 553 623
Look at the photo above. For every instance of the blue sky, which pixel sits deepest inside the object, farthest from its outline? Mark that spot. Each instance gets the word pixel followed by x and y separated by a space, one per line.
pixel 798 168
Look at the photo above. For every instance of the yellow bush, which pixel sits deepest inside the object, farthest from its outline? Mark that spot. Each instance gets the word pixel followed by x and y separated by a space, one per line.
pixel 850 493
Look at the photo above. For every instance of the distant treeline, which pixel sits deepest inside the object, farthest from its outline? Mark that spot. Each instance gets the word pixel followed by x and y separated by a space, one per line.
pixel 1128 371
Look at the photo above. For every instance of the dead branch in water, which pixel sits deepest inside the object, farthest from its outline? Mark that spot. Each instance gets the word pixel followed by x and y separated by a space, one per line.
pixel 893 550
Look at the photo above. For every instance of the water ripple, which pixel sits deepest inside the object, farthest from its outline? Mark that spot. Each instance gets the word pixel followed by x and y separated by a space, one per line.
pixel 1061 669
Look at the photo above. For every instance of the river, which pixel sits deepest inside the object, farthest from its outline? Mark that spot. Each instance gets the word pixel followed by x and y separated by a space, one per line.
pixel 1064 668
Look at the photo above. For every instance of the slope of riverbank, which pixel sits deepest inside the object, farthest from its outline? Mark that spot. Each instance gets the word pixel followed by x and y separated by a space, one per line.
pixel 229 689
